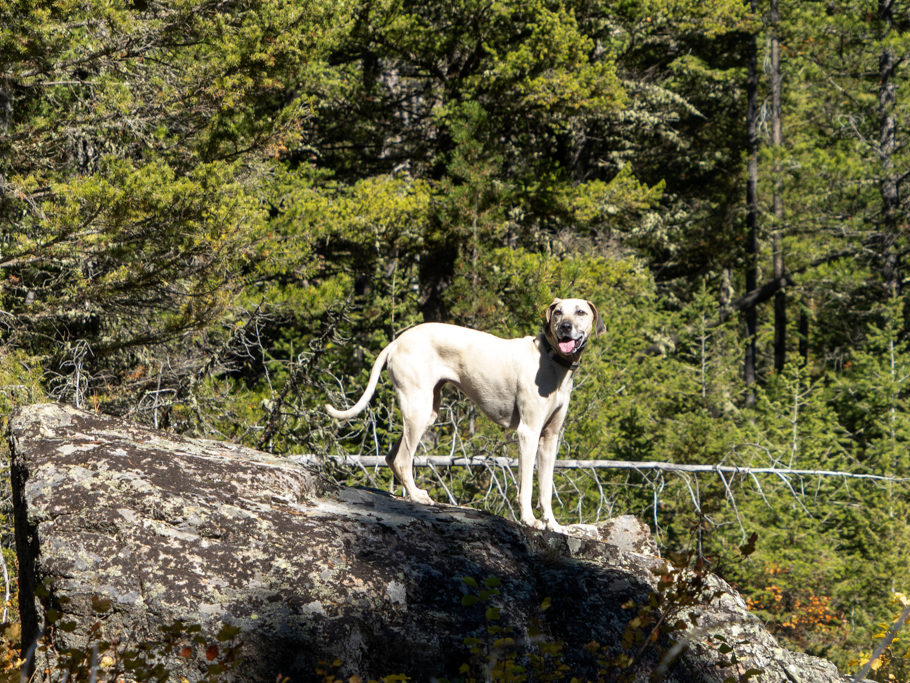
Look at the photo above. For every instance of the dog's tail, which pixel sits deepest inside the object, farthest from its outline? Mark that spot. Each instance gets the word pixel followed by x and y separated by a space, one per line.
pixel 358 407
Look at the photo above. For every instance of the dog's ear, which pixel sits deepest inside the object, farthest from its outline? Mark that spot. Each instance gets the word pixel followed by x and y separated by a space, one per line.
pixel 599 327
pixel 548 313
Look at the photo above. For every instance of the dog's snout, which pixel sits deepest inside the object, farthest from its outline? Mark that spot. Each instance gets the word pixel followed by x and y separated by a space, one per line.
pixel 565 326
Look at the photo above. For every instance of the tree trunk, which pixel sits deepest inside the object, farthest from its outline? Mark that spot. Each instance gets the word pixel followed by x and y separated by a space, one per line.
pixel 804 332
pixel 780 299
pixel 749 373
pixel 891 270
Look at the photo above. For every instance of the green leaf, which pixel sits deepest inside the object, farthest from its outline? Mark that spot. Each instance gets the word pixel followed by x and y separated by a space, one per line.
pixel 469 599
pixel 227 632
pixel 101 605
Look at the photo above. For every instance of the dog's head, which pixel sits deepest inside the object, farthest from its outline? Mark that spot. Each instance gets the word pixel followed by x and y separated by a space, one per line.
pixel 570 323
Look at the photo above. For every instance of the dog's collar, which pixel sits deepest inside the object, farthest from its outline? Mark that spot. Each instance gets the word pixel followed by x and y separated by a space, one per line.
pixel 558 358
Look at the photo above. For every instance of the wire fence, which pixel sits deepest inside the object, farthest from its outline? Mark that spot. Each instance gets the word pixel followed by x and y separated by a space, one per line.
pixel 588 495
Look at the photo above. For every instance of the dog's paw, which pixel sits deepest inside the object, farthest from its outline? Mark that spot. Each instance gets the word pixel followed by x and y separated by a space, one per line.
pixel 553 525
pixel 549 524
pixel 534 523
pixel 421 496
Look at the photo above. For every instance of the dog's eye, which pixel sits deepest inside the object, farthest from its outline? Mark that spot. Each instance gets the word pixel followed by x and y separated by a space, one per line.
pixel 581 312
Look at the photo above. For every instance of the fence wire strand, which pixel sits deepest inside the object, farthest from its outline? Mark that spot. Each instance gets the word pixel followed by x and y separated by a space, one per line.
pixel 586 493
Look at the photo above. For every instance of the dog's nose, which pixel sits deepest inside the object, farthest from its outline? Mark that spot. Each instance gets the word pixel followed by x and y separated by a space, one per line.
pixel 565 326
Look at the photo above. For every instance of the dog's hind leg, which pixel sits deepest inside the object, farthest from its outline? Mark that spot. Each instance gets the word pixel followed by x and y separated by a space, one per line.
pixel 418 413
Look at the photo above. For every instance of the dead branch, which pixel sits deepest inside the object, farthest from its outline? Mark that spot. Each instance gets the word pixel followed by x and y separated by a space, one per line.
pixel 747 301
pixel 884 643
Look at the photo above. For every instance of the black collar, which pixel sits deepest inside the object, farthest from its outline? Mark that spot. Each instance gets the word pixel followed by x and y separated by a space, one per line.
pixel 558 358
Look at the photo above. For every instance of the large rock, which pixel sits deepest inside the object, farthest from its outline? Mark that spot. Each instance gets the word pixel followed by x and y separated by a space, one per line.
pixel 121 531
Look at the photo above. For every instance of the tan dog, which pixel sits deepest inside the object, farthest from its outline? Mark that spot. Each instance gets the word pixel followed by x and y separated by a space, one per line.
pixel 522 384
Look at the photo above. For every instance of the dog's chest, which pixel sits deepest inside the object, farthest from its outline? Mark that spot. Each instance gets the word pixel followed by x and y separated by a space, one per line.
pixel 563 392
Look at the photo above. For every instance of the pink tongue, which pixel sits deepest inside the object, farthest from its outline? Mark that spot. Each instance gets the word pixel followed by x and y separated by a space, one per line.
pixel 567 346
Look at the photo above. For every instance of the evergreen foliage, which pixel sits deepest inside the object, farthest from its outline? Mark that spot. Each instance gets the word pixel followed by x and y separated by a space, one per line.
pixel 214 214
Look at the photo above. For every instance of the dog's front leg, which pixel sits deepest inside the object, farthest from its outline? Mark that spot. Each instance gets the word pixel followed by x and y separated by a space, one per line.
pixel 546 461
pixel 527 449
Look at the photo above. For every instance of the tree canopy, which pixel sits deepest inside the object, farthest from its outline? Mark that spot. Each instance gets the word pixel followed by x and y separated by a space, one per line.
pixel 214 214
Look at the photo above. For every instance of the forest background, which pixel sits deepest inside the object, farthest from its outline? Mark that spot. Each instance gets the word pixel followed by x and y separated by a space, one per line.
pixel 215 213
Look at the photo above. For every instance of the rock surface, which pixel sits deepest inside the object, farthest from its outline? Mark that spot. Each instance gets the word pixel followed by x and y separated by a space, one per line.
pixel 122 530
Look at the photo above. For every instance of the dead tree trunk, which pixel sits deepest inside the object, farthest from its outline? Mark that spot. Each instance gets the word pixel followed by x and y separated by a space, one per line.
pixel 891 268
pixel 749 373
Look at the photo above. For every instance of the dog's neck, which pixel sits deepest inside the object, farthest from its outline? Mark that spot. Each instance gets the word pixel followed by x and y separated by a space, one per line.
pixel 549 347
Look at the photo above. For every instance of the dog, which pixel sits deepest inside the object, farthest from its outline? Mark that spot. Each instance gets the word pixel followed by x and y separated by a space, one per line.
pixel 522 384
